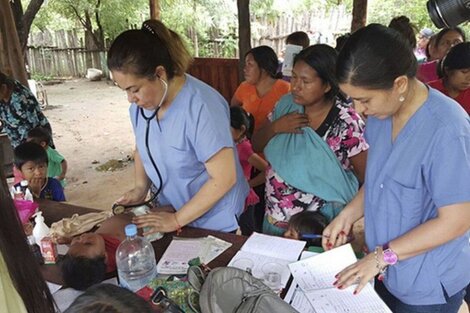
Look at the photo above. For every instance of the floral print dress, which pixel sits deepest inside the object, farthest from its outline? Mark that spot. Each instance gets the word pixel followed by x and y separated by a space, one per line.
pixel 344 135
pixel 21 114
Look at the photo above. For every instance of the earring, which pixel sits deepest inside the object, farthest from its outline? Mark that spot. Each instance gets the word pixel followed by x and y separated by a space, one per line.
pixel 401 98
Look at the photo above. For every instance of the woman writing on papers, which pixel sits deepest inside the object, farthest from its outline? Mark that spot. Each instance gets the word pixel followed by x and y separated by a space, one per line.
pixel 415 199
pixel 182 132
pixel 314 144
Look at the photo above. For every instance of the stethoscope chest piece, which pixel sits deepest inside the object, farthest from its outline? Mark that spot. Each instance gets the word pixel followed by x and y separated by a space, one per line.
pixel 118 209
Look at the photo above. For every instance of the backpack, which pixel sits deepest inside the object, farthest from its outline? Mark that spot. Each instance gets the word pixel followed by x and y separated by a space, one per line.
pixel 232 290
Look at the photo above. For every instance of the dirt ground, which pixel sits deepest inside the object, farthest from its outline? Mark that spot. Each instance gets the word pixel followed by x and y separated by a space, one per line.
pixel 90 128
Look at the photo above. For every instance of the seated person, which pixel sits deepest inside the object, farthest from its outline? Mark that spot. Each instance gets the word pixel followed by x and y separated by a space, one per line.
pixel 454 75
pixel 57 165
pixel 307 225
pixel 92 255
pixel 109 298
pixel 31 160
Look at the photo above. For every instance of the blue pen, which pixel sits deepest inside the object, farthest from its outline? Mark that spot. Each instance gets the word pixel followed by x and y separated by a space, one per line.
pixel 311 236
pixel 317 236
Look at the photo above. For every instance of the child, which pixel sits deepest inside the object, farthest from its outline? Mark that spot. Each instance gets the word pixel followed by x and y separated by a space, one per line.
pixel 242 125
pixel 305 224
pixel 454 74
pixel 57 166
pixel 31 160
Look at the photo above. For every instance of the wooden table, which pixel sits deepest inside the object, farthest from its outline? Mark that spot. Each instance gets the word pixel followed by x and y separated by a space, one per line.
pixel 55 211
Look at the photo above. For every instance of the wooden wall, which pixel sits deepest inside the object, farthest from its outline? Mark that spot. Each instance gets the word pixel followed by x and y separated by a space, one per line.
pixel 222 74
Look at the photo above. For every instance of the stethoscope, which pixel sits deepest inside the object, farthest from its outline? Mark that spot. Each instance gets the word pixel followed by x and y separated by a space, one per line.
pixel 121 208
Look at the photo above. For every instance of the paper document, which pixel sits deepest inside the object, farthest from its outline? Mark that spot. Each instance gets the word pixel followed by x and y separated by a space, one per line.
pixel 289 55
pixel 264 254
pixel 315 277
pixel 181 250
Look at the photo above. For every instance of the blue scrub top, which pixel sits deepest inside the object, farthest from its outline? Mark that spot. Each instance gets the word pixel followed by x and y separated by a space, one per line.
pixel 194 128
pixel 427 167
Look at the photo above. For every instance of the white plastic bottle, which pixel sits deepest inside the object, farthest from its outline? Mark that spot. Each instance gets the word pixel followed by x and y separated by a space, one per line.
pixel 40 229
pixel 135 260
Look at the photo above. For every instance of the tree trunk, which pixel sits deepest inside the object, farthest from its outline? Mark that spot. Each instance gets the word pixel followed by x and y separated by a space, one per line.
pixel 24 20
pixel 11 56
pixel 155 9
pixel 359 14
pixel 244 32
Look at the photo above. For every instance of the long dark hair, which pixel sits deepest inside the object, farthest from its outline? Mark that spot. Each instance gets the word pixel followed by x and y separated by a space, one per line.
pixel 266 59
pixel 21 264
pixel 374 56
pixel 140 51
pixel 322 58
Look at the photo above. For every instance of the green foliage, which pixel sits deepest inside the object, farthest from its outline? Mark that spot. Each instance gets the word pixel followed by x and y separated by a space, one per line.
pixel 115 16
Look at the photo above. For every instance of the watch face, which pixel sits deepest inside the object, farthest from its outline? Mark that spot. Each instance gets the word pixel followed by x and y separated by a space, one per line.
pixel 390 257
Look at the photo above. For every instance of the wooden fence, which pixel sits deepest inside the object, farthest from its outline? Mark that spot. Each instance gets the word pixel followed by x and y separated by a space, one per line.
pixel 64 62
pixel 222 74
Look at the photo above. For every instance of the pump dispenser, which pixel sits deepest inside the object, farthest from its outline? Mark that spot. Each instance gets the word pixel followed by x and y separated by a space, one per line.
pixel 40 229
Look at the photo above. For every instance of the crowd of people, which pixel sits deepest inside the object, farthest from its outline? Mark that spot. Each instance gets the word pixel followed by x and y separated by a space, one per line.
pixel 377 128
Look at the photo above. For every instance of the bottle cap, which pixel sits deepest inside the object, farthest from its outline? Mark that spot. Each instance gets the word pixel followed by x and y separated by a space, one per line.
pixel 24 183
pixel 130 230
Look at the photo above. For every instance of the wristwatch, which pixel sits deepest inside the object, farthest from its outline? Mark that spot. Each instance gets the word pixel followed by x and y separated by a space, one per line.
pixel 390 257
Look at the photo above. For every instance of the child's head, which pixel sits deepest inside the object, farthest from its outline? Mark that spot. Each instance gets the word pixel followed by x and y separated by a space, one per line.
pixel 85 262
pixel 454 68
pixel 39 135
pixel 109 298
pixel 307 222
pixel 299 39
pixel 241 122
pixel 31 160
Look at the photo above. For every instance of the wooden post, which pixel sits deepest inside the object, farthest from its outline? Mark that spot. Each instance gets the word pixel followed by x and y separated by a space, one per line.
pixel 244 33
pixel 155 9
pixel 359 15
pixel 11 57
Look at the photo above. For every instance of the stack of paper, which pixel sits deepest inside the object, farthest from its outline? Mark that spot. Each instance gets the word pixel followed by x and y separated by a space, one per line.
pixel 260 250
pixel 181 250
pixel 313 282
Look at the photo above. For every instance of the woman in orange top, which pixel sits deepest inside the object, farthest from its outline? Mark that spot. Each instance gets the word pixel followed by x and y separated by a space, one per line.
pixel 261 89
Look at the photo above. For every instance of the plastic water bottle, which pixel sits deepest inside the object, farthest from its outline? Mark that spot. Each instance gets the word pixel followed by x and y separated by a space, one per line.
pixel 135 260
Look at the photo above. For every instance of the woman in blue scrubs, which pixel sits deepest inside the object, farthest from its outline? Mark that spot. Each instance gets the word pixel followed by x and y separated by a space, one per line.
pixel 415 199
pixel 182 133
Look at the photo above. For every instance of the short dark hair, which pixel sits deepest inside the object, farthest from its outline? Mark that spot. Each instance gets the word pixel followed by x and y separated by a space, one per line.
pixel 403 25
pixel 322 58
pixel 110 299
pixel 5 80
pixel 298 38
pixel 141 51
pixel 309 222
pixel 457 58
pixel 81 273
pixel 239 117
pixel 266 59
pixel 40 134
pixel 29 151
pixel 374 56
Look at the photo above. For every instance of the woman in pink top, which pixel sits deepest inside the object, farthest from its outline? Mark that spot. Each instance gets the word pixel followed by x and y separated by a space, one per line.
pixel 454 73
pixel 242 124
pixel 445 39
